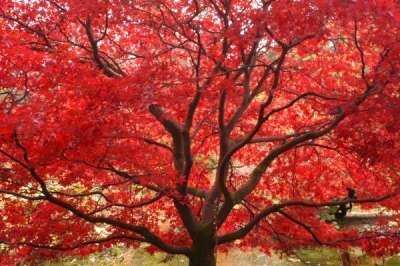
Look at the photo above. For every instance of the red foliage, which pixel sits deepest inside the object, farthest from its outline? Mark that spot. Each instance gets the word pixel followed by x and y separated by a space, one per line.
pixel 187 124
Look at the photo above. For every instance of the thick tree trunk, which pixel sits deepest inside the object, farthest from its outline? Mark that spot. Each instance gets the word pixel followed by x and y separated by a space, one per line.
pixel 203 256
pixel 346 258
pixel 203 251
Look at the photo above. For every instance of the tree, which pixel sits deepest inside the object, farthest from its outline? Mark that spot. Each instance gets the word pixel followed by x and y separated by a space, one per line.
pixel 196 125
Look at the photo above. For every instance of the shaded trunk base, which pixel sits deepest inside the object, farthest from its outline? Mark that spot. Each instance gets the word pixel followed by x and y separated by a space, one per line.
pixel 203 255
pixel 202 261
pixel 346 258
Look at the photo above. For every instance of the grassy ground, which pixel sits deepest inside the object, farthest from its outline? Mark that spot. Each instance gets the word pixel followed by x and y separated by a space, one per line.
pixel 315 257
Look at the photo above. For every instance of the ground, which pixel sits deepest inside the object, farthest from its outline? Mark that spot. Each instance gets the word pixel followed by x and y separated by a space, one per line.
pixel 319 257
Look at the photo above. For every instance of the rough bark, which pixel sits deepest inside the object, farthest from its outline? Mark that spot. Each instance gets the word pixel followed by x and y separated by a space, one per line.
pixel 203 250
pixel 346 261
pixel 203 256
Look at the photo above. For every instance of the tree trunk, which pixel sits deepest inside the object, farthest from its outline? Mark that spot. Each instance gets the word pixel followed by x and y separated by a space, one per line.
pixel 204 257
pixel 203 253
pixel 346 258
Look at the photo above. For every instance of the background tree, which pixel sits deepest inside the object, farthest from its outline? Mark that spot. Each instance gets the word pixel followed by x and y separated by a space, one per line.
pixel 195 125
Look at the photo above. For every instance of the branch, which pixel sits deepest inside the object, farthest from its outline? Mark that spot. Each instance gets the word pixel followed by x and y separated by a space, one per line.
pixel 196 192
pixel 361 52
pixel 79 245
pixel 295 100
pixel 256 174
pixel 102 63
pixel 134 178
pixel 181 144
pixel 277 207
pixel 273 138
pixel 162 145
pixel 306 227
pixel 143 231
pixel 38 31
pixel 22 196
pixel 170 125
pixel 112 204
pixel 131 206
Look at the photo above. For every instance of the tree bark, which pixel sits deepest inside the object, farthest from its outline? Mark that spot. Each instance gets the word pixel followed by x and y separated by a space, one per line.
pixel 346 258
pixel 203 251
pixel 203 256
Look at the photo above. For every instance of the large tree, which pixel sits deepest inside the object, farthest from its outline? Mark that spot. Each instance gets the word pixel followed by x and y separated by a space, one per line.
pixel 196 125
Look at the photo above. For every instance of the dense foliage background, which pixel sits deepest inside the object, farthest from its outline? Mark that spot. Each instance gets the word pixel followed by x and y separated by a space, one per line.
pixel 196 125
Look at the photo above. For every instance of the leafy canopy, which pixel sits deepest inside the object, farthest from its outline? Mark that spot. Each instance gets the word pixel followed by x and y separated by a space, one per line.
pixel 195 124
